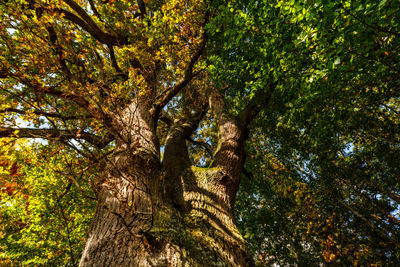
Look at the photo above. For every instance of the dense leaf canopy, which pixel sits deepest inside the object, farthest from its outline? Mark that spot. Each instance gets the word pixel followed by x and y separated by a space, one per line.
pixel 322 177
pixel 323 181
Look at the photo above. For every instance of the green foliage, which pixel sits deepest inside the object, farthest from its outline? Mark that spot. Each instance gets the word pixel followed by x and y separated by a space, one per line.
pixel 323 180
pixel 324 183
pixel 44 218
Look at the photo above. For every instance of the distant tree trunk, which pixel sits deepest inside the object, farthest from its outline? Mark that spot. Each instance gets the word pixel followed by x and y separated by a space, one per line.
pixel 169 214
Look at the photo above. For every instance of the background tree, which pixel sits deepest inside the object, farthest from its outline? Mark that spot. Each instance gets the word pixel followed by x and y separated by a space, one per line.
pixel 44 216
pixel 311 86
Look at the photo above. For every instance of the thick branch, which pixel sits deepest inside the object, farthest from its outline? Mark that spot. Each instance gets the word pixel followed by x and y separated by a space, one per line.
pixel 85 21
pixel 233 132
pixel 91 27
pixel 103 37
pixel 54 134
pixel 229 154
pixel 191 123
pixel 169 122
pixel 166 119
pixel 82 13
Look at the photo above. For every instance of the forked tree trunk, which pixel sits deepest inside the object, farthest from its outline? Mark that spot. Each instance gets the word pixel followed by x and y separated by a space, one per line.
pixel 138 228
pixel 171 214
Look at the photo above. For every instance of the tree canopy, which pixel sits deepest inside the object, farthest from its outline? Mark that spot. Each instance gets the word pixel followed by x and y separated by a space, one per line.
pixel 315 83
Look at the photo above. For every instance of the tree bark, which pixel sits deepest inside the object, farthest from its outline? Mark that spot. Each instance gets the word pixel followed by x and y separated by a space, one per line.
pixel 154 231
pixel 169 214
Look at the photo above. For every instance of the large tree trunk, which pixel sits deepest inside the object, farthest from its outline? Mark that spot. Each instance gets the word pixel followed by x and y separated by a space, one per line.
pixel 169 214
pixel 195 228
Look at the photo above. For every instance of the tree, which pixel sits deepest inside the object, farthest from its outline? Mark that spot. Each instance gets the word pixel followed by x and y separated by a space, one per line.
pixel 106 74
pixel 157 99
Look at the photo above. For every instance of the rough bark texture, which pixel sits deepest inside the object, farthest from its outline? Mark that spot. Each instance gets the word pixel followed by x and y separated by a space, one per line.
pixel 199 232
pixel 169 214
pixel 150 212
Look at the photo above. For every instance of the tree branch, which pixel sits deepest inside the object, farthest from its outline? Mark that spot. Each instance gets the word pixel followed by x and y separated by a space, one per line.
pixel 260 99
pixel 369 222
pixel 142 8
pixel 166 119
pixel 53 134
pixel 66 222
pixel 206 145
pixel 82 13
pixel 372 26
pixel 58 49
pixel 71 95
pixel 114 62
pixel 86 23
pixel 176 157
pixel 168 94
pixel 94 9
pixel 43 113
